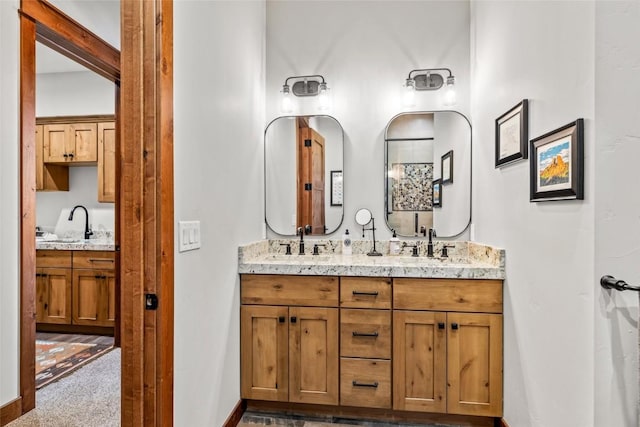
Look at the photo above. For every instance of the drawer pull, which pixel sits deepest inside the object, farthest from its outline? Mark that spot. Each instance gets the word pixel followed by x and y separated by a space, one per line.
pixel 365 334
pixel 371 294
pixel 359 384
pixel 100 260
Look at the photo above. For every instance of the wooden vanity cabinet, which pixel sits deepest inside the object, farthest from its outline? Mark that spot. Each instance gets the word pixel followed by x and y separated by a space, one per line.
pixel 365 342
pixel 53 287
pixel 289 338
pixel 447 350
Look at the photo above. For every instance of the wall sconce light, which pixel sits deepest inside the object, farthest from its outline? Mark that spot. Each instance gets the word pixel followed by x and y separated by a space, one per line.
pixel 313 85
pixel 429 79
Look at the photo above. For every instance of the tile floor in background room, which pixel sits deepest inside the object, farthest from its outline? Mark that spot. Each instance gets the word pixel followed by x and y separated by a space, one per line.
pixel 255 419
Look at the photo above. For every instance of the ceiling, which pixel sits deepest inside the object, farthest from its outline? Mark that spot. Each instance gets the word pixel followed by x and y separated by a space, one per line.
pixel 102 17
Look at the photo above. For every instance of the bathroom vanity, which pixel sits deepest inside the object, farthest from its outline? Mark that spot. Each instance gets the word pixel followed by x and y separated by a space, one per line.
pixel 402 336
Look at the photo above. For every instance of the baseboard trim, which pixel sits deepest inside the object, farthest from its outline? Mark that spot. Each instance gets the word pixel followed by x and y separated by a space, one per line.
pixel 236 415
pixel 11 411
pixel 503 423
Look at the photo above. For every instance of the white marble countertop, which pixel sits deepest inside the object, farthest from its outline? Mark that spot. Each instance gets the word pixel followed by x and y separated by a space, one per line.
pixel 76 245
pixel 468 260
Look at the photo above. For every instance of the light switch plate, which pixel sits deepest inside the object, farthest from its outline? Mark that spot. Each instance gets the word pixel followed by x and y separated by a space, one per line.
pixel 188 235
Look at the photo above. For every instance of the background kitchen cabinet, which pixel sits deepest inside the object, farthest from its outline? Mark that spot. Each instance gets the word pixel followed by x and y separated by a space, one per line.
pixel 93 297
pixel 107 162
pixel 48 177
pixel 53 287
pixel 70 143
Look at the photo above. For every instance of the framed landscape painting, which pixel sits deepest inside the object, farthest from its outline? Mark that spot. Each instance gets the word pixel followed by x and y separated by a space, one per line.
pixel 437 193
pixel 557 164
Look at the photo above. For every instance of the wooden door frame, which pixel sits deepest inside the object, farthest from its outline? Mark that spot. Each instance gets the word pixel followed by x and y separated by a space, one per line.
pixel 144 193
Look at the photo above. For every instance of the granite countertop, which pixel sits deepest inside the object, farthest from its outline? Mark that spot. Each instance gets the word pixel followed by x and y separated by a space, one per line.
pixel 76 245
pixel 467 260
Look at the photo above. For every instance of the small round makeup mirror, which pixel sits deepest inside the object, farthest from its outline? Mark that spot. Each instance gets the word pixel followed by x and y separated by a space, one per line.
pixel 363 216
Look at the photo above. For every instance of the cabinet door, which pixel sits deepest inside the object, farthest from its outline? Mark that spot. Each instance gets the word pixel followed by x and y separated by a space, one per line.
pixel 107 162
pixel 92 299
pixel 55 143
pixel 419 361
pixel 82 145
pixel 475 364
pixel 264 353
pixel 313 355
pixel 53 295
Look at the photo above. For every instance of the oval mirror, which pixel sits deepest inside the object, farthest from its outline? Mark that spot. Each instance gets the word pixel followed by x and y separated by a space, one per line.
pixel 363 216
pixel 303 166
pixel 424 152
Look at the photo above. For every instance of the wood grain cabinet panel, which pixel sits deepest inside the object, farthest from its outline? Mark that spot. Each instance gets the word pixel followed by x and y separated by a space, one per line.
pixel 53 295
pixel 313 355
pixel 308 291
pixel 365 292
pixel 365 333
pixel 70 143
pixel 93 297
pixel 107 162
pixel 474 364
pixel 264 349
pixel 419 361
pixel 365 383
pixel 48 177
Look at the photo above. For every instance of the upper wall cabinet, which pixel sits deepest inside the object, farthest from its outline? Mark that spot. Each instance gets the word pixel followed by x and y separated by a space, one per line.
pixel 428 173
pixel 303 174
pixel 71 143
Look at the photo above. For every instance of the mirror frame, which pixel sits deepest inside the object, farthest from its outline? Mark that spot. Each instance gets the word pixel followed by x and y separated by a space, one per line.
pixel 386 161
pixel 264 171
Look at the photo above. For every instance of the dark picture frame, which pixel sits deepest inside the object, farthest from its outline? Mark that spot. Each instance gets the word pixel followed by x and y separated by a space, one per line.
pixel 557 164
pixel 336 188
pixel 512 134
pixel 437 193
pixel 446 167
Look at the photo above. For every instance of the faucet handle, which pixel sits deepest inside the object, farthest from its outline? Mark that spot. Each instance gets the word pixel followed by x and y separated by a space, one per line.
pixel 316 246
pixel 288 249
pixel 445 253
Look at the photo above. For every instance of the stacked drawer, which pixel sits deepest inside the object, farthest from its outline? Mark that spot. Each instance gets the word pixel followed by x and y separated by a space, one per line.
pixel 365 342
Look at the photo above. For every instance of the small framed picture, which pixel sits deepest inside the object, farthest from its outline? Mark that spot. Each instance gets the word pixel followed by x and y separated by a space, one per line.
pixel 512 134
pixel 557 164
pixel 336 188
pixel 447 168
pixel 437 193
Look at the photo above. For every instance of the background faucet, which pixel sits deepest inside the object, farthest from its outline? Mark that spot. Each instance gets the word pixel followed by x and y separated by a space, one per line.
pixel 432 234
pixel 87 232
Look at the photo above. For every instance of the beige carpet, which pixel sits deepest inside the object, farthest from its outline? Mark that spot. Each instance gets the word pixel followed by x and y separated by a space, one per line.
pixel 90 397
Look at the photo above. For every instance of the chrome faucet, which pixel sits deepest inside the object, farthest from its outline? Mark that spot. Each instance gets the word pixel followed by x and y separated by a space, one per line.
pixel 87 232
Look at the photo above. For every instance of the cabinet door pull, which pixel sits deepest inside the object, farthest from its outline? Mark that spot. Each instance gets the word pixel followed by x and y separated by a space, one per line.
pixel 101 260
pixel 65 155
pixel 371 294
pixel 46 305
pixel 359 384
pixel 294 319
pixel 71 155
pixel 98 277
pixel 365 334
pixel 281 320
pixel 454 326
pixel 440 325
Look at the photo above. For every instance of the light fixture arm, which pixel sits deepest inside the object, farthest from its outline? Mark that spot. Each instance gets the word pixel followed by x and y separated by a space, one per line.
pixel 429 70
pixel 286 82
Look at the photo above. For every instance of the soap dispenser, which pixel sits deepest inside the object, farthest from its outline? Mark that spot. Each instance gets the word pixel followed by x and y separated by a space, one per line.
pixel 346 243
pixel 394 244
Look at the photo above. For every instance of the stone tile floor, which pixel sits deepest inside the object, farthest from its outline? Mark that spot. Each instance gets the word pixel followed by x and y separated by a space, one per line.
pixel 254 419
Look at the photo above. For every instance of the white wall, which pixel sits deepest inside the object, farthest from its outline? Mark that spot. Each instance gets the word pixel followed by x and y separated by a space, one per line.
pixel 365 50
pixel 219 122
pixel 72 94
pixel 617 207
pixel 543 51
pixel 9 225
